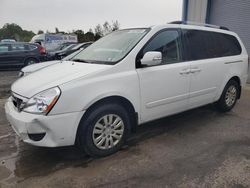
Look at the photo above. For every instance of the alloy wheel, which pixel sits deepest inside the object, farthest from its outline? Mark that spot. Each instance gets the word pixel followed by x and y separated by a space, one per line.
pixel 108 131
pixel 231 95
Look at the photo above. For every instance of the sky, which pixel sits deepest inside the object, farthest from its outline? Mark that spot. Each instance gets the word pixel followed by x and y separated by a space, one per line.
pixel 68 15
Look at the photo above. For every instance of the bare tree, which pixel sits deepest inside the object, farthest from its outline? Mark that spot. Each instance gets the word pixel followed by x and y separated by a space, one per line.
pixel 106 28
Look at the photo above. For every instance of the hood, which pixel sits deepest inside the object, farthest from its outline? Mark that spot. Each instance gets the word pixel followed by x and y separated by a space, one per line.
pixel 35 67
pixel 54 75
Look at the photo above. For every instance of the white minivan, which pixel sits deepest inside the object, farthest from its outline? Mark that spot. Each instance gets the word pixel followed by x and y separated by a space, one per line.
pixel 129 77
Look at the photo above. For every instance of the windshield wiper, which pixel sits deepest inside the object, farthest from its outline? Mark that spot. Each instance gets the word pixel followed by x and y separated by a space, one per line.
pixel 80 60
pixel 93 62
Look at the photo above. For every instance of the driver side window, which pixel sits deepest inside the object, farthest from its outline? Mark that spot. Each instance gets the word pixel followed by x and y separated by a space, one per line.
pixel 166 42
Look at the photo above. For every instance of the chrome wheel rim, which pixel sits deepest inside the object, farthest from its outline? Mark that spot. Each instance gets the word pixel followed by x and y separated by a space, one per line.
pixel 230 96
pixel 108 131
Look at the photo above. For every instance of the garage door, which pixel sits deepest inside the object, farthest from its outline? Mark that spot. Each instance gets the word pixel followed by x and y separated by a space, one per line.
pixel 234 14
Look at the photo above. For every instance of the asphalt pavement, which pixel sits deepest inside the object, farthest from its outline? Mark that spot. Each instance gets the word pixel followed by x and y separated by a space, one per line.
pixel 198 148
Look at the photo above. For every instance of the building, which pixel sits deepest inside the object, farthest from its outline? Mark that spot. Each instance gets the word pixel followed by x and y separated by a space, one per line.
pixel 233 14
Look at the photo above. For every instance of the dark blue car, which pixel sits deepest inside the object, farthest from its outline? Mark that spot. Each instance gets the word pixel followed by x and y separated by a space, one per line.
pixel 20 54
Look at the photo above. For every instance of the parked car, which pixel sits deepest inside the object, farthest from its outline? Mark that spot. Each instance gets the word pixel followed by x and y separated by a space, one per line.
pixel 38 66
pixel 125 79
pixel 63 46
pixel 8 40
pixel 65 53
pixel 54 54
pixel 20 54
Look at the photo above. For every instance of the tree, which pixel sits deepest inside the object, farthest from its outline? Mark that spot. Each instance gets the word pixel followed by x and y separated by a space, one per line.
pixel 80 35
pixel 89 36
pixel 14 31
pixel 105 29
pixel 57 30
pixel 98 32
pixel 40 32
pixel 115 25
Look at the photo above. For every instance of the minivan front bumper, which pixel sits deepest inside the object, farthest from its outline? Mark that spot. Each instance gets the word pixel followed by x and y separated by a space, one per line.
pixel 47 131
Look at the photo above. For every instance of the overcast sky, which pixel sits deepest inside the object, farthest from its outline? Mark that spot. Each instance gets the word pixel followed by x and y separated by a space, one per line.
pixel 84 14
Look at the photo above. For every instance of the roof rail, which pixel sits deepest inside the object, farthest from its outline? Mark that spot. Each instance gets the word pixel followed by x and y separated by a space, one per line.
pixel 199 24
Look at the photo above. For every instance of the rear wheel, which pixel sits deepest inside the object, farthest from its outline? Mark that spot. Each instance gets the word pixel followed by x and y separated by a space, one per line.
pixel 104 130
pixel 30 61
pixel 229 96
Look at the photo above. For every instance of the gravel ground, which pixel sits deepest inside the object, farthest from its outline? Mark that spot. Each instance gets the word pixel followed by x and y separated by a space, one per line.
pixel 198 148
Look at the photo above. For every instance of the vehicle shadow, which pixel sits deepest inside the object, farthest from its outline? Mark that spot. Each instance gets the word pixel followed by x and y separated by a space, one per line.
pixel 47 160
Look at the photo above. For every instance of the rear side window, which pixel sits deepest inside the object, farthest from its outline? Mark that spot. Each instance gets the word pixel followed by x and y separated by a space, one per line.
pixel 32 47
pixel 17 47
pixel 206 45
pixel 229 45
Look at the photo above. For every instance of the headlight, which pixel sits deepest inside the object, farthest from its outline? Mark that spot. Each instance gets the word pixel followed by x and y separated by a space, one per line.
pixel 42 102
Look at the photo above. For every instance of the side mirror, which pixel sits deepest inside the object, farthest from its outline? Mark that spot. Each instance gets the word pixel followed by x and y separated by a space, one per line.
pixel 151 58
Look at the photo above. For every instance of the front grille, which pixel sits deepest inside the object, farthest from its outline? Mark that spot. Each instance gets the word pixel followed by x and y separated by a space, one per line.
pixel 18 103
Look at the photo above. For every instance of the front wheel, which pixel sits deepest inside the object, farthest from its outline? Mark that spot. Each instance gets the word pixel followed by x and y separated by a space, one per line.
pixel 104 130
pixel 229 96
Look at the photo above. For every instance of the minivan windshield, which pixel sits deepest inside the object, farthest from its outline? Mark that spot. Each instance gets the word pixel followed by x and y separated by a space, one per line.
pixel 111 48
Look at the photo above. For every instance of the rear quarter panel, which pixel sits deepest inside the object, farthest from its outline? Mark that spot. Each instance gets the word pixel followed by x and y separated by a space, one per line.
pixel 234 66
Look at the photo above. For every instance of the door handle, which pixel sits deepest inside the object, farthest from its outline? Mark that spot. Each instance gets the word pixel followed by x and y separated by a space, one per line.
pixel 194 70
pixel 185 71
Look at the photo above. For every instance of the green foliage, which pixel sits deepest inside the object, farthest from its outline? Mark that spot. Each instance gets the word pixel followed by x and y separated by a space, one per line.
pixel 14 31
pixel 89 36
pixel 40 32
pixel 80 35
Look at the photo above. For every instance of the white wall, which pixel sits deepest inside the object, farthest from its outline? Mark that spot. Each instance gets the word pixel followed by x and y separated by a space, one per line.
pixel 196 11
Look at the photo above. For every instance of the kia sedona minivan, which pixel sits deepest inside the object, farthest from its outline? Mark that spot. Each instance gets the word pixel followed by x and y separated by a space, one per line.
pixel 129 77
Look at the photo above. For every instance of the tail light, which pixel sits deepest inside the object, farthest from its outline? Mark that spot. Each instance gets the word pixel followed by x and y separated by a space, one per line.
pixel 42 50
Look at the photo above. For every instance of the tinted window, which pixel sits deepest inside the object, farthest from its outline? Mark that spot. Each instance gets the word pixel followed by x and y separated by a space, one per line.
pixel 17 47
pixel 198 44
pixel 32 47
pixel 166 42
pixel 205 45
pixel 4 48
pixel 229 45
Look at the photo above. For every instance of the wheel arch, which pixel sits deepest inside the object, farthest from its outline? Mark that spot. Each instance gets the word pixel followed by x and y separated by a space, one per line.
pixel 126 103
pixel 237 79
pixel 234 77
pixel 30 57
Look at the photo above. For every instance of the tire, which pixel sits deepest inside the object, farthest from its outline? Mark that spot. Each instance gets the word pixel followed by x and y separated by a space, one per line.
pixel 30 61
pixel 99 144
pixel 229 96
